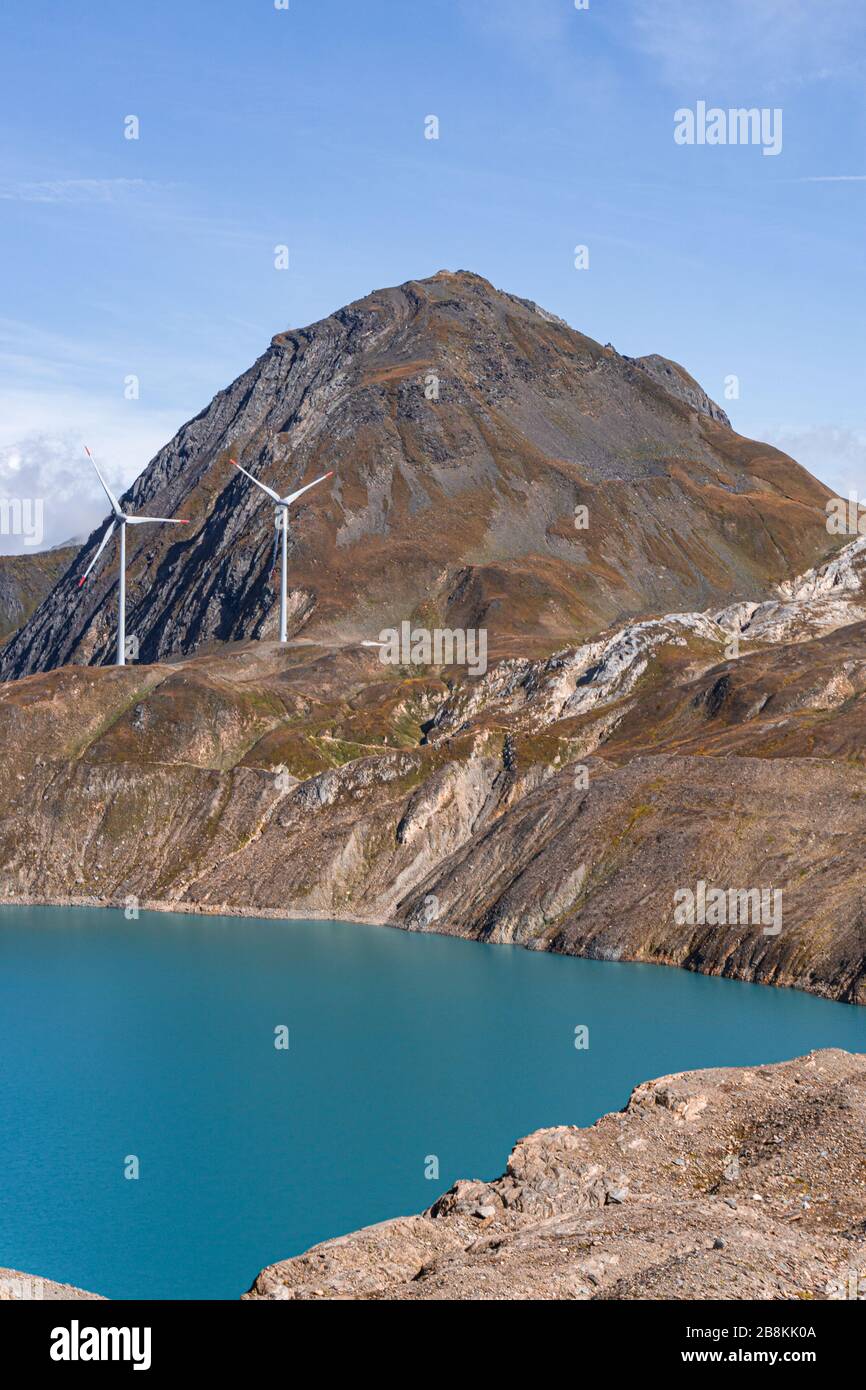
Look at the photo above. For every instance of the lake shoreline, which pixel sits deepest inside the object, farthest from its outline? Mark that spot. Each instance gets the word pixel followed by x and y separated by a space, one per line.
pixel 304 1051
pixel 818 989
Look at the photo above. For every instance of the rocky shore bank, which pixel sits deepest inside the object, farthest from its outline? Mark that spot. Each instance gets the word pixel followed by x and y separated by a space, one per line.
pixel 740 1183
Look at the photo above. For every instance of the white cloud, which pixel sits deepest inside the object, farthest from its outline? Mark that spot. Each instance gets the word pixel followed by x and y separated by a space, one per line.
pixel 48 462
pixel 835 455
pixel 59 393
pixel 53 401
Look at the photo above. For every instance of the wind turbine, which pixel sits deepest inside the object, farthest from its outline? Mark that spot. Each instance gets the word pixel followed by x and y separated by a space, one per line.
pixel 121 519
pixel 281 524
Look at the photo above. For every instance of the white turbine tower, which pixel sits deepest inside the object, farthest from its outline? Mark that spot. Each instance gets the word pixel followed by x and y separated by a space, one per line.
pixel 281 522
pixel 121 519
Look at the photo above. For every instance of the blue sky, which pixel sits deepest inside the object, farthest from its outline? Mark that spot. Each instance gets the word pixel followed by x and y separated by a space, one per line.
pixel 305 127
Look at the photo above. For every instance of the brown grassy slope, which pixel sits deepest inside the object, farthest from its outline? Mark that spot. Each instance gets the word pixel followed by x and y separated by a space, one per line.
pixel 301 780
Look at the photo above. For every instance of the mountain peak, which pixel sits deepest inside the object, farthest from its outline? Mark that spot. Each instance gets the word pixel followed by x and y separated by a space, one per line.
pixel 493 467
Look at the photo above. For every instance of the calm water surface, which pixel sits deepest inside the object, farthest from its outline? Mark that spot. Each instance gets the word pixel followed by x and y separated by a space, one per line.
pixel 156 1038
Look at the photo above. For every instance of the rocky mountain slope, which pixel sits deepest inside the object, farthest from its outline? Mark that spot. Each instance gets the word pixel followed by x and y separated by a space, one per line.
pixel 467 428
pixel 725 1184
pixel 564 798
pixel 560 803
pixel 24 582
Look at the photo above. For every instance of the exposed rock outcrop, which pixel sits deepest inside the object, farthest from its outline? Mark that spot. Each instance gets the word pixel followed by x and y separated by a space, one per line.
pixel 15 1287
pixel 259 783
pixel 675 379
pixel 740 1183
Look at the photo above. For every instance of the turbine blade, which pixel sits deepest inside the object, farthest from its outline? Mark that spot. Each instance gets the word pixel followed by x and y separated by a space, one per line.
pixel 115 505
pixel 293 496
pixel 264 487
pixel 170 520
pixel 102 544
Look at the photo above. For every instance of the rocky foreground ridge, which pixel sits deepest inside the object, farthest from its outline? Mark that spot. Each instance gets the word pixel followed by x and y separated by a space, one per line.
pixel 740 1183
pixel 17 1287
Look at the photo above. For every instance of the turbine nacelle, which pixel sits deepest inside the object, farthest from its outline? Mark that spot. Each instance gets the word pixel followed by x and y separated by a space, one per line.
pixel 120 517
pixel 275 497
pixel 281 526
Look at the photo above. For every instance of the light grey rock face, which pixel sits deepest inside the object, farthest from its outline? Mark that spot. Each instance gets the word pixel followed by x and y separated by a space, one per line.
pixel 578 680
pixel 573 682
pixel 672 377
pixel 822 599
pixel 460 806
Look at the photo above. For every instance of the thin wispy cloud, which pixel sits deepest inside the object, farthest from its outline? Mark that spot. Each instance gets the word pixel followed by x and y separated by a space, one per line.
pixel 160 201
pixel 28 349
pixel 547 38
pixel 830 178
pixel 833 453
pixel 49 463
pixel 73 190
pixel 776 43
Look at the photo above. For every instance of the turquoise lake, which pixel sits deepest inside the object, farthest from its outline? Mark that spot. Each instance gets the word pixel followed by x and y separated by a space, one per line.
pixel 155 1038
